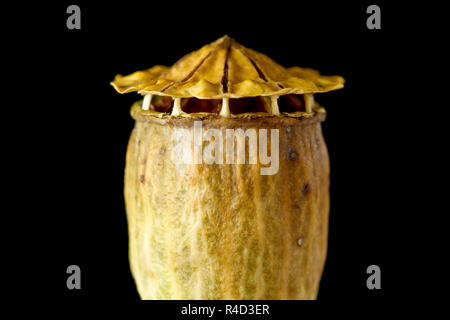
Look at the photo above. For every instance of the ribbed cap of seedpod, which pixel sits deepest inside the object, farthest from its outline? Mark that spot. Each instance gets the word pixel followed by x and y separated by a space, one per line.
pixel 225 69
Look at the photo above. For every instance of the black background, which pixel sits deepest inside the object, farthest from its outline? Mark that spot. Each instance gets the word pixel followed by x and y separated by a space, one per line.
pixel 83 127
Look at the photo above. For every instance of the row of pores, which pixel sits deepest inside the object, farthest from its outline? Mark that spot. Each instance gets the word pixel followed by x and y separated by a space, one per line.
pixel 225 111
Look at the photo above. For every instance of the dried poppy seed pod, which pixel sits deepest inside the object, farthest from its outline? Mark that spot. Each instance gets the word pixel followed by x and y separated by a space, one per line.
pixel 242 215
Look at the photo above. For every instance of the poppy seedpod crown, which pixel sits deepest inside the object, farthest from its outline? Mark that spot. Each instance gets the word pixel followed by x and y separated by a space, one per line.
pixel 226 70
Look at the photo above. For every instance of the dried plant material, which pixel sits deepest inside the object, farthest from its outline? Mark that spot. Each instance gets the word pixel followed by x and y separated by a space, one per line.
pixel 207 228
pixel 226 69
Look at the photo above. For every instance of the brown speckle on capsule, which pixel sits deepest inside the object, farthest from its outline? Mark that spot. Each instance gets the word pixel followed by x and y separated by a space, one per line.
pixel 306 189
pixel 142 178
pixel 292 155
